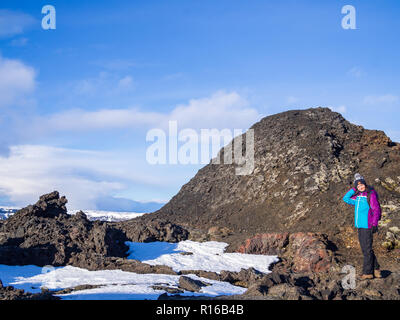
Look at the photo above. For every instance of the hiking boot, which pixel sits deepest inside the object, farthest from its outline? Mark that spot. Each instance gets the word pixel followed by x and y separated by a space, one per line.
pixel 377 274
pixel 366 276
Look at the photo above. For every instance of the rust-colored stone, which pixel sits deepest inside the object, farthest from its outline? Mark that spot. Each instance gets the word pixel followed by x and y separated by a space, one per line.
pixel 308 251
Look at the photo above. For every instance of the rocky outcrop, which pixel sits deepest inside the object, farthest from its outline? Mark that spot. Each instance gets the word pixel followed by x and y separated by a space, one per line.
pixel 44 234
pixel 324 287
pixel 243 278
pixel 130 265
pixel 10 293
pixel 150 230
pixel 307 252
pixel 286 285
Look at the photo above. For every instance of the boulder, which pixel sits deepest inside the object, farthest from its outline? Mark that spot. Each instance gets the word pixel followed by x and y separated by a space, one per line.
pixel 308 252
pixel 152 230
pixel 266 243
pixel 284 291
pixel 243 278
pixel 256 290
pixel 189 284
pixel 170 290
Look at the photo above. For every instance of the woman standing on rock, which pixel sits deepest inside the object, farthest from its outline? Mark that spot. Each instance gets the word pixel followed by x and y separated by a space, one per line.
pixel 367 214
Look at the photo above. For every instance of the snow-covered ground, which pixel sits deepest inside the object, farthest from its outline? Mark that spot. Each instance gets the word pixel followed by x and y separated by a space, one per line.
pixel 114 284
pixel 208 256
pixel 117 284
pixel 6 212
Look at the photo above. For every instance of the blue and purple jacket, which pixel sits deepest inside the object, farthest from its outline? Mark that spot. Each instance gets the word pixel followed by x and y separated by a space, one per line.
pixel 366 215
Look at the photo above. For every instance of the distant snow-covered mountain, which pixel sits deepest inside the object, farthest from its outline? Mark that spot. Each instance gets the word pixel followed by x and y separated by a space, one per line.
pixel 109 209
pixel 109 203
pixel 108 215
pixel 6 212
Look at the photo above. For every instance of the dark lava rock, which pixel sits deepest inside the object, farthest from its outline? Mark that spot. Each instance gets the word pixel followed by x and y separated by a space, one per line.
pixel 10 293
pixel 243 278
pixel 203 274
pixel 322 286
pixel 170 290
pixel 44 234
pixel 76 288
pixel 135 266
pixel 166 296
pixel 150 230
pixel 190 284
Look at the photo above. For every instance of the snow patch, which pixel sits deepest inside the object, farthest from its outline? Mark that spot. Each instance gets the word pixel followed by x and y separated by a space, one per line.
pixel 207 256
pixel 110 216
pixel 114 284
pixel 122 285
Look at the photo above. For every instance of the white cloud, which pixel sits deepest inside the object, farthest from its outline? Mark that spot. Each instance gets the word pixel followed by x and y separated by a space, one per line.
pixel 356 72
pixel 17 80
pixel 220 110
pixel 125 82
pixel 381 99
pixel 104 84
pixel 83 176
pixel 19 42
pixel 291 100
pixel 341 109
pixel 120 64
pixel 102 119
pixel 13 23
pixel 173 76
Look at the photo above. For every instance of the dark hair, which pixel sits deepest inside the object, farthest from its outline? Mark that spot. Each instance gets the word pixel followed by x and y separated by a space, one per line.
pixel 357 182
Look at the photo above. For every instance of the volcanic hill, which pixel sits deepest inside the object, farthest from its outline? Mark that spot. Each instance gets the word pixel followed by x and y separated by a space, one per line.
pixel 305 161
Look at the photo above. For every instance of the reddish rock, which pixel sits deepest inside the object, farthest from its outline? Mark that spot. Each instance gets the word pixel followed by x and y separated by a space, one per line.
pixel 308 252
pixel 266 243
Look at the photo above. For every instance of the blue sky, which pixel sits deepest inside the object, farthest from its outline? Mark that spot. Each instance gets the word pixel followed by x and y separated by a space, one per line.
pixel 76 102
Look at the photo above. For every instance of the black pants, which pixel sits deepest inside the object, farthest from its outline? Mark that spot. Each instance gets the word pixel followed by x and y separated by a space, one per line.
pixel 365 236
